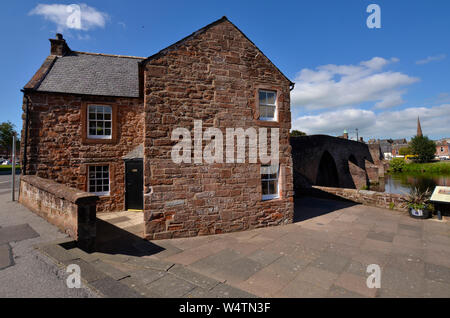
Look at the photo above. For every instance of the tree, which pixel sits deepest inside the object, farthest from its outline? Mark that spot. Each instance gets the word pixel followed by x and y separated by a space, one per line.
pixel 6 136
pixel 297 133
pixel 423 148
pixel 404 151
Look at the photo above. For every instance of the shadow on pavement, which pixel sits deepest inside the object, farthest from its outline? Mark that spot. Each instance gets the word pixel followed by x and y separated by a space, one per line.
pixel 114 240
pixel 307 207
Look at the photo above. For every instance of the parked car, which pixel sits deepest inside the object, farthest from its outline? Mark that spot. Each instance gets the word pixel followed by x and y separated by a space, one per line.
pixel 6 163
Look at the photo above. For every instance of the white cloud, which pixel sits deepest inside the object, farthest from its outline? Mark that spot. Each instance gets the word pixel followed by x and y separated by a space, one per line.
pixel 387 124
pixel 77 17
pixel 429 59
pixel 349 85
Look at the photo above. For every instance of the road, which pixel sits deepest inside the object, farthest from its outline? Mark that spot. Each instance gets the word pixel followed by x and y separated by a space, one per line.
pixel 5 184
pixel 25 272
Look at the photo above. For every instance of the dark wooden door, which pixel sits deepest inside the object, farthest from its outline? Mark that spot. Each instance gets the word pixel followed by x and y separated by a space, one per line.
pixel 134 180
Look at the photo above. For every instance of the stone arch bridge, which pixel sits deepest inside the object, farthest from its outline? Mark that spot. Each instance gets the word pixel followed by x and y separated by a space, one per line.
pixel 334 162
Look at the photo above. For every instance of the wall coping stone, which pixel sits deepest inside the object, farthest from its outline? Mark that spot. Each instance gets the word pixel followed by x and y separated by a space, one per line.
pixel 61 191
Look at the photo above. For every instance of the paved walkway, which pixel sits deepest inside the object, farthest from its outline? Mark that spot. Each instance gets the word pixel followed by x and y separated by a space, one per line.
pixel 326 254
pixel 24 272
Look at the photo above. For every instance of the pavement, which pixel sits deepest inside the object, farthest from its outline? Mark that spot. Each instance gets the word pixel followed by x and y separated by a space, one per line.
pixel 325 253
pixel 24 271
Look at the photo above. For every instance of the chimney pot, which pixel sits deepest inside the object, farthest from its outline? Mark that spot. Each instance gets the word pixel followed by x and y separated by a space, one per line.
pixel 59 46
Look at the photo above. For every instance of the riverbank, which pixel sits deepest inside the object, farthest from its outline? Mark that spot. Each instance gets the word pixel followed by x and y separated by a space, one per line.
pixel 441 167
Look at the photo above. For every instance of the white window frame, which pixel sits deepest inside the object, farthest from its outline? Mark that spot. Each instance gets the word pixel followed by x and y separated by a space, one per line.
pixel 275 105
pixel 100 193
pixel 276 195
pixel 89 120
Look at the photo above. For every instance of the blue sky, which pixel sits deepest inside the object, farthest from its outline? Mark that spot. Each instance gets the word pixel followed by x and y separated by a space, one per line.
pixel 347 75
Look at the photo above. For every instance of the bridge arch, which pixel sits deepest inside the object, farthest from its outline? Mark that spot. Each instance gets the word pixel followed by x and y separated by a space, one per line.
pixel 327 174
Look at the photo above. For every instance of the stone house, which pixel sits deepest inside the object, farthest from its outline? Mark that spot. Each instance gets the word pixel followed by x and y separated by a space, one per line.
pixel 103 124
pixel 442 149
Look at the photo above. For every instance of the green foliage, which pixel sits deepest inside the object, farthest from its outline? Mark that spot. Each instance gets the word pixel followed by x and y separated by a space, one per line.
pixel 392 205
pixel 419 199
pixel 442 168
pixel 423 148
pixel 397 165
pixel 8 167
pixel 404 151
pixel 6 135
pixel 297 133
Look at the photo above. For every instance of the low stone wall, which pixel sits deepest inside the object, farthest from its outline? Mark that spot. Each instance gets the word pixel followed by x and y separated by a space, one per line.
pixel 71 210
pixel 372 198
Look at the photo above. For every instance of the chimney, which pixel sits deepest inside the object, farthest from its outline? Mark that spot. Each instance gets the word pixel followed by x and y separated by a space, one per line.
pixel 59 46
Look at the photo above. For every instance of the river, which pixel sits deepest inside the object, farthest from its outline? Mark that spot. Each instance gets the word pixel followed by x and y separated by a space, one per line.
pixel 402 183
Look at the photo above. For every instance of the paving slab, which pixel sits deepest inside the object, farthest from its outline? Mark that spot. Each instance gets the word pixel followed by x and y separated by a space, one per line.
pixel 118 219
pixel 355 284
pixel 111 288
pixel 437 273
pixel 17 233
pixel 109 270
pixel 227 291
pixel 435 289
pixel 150 263
pixel 214 262
pixel 171 286
pixel 147 276
pixel 298 287
pixel 58 253
pixel 137 285
pixel 89 273
pixel 381 236
pixel 339 292
pixel 318 277
pixel 331 262
pixel 202 281
pixel 6 257
pixel 402 282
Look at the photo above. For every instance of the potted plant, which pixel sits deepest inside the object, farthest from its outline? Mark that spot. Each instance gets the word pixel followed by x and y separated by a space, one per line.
pixel 418 203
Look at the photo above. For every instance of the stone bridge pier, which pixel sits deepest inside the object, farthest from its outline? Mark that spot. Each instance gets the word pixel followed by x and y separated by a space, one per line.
pixel 328 161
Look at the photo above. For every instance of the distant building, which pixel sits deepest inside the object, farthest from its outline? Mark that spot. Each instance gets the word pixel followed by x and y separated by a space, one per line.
pixel 345 135
pixel 419 128
pixel 442 148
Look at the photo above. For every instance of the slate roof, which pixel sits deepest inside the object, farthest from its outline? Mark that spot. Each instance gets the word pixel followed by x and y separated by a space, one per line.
pixel 102 74
pixel 93 74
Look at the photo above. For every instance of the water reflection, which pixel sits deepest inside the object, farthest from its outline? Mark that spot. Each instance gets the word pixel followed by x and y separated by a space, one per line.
pixel 402 183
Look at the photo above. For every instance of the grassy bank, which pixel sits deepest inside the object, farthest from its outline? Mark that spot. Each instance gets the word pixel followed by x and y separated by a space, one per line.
pixel 8 168
pixel 441 167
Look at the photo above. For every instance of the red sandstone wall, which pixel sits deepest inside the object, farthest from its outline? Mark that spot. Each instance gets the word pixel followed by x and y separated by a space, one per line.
pixel 212 77
pixel 56 150
pixel 372 198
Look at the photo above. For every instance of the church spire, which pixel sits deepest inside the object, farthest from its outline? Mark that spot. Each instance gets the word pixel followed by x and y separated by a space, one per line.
pixel 419 128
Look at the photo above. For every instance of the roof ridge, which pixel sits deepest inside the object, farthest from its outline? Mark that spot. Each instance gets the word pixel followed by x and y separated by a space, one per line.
pixel 110 55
